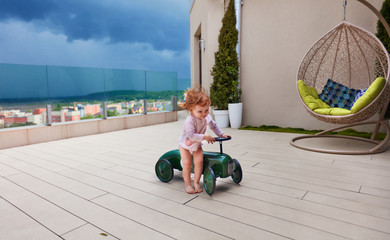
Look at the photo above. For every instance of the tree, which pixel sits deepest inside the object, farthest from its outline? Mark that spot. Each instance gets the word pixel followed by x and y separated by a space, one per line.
pixel 381 31
pixel 88 116
pixel 383 35
pixel 224 89
pixel 112 113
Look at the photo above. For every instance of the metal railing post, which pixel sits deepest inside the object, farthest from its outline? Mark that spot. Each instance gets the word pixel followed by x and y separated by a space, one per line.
pixel 105 115
pixel 49 119
pixel 174 103
pixel 145 106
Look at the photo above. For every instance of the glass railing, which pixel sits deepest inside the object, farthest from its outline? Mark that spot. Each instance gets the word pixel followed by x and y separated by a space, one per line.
pixel 183 84
pixel 40 95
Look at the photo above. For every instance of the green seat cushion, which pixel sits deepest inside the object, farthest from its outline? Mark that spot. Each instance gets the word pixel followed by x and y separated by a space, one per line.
pixel 305 90
pixel 314 103
pixel 333 111
pixel 372 92
pixel 310 96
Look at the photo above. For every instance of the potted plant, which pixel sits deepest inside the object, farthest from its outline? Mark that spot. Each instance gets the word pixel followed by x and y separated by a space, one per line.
pixel 225 87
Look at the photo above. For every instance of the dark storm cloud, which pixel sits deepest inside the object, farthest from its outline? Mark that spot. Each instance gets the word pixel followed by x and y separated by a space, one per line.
pixel 157 22
pixel 26 10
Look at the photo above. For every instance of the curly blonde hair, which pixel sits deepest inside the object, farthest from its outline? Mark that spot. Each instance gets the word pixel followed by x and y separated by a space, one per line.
pixel 196 96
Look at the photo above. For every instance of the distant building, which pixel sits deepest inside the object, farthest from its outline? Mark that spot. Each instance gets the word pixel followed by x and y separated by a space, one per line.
pixel 39 111
pixel 65 116
pixel 115 106
pixel 138 109
pixel 152 109
pixel 69 108
pixel 11 120
pixel 72 116
pixel 37 118
pixel 130 104
pixel 58 116
pixel 81 109
pixel 93 109
pixel 9 113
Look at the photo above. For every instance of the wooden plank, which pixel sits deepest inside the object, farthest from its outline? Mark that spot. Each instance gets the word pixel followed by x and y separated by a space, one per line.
pixel 285 228
pixel 330 174
pixel 17 225
pixel 287 218
pixel 162 222
pixel 37 169
pixel 43 211
pixel 88 231
pixel 376 191
pixel 110 222
pixel 37 160
pixel 326 190
pixel 6 170
pixel 288 207
pixel 351 205
pixel 171 207
pixel 300 176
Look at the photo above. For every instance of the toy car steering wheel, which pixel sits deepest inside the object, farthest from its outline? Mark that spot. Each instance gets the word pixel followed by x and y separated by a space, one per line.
pixel 220 140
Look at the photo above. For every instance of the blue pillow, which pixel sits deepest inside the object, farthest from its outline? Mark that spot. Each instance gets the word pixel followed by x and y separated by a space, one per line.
pixel 337 95
pixel 359 94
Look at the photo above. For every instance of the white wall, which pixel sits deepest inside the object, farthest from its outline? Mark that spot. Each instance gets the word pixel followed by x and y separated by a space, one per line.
pixel 275 36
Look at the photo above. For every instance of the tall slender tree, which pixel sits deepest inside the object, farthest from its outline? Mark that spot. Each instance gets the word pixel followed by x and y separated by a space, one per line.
pixel 224 89
pixel 383 35
pixel 381 31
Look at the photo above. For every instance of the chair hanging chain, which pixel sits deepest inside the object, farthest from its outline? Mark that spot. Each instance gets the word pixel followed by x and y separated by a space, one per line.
pixel 345 8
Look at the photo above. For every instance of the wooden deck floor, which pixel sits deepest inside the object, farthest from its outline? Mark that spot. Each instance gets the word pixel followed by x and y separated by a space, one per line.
pixel 104 187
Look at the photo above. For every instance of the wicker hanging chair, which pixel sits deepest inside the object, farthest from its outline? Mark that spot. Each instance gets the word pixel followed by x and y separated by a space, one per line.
pixel 353 57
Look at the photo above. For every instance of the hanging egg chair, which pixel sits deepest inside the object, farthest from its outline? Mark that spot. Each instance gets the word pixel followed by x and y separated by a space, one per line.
pixel 344 79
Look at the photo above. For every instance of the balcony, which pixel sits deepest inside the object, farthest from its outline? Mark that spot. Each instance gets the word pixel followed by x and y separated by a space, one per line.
pixel 104 187
pixel 47 103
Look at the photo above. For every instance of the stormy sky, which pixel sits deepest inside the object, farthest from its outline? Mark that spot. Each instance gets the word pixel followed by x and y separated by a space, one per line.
pixel 131 34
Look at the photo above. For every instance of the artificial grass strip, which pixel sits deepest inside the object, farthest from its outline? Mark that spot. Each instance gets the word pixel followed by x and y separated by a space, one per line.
pixel 346 132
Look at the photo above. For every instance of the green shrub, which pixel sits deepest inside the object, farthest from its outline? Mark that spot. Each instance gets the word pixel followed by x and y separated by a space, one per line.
pixel 383 35
pixel 224 89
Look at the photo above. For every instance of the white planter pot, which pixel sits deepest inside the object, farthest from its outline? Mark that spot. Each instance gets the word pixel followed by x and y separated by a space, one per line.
pixel 222 118
pixel 235 114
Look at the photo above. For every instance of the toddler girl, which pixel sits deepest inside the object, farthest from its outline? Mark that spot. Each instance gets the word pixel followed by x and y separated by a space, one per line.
pixel 197 103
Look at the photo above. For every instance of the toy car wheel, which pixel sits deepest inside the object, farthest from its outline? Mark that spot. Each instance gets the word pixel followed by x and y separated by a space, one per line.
pixel 209 181
pixel 237 172
pixel 164 170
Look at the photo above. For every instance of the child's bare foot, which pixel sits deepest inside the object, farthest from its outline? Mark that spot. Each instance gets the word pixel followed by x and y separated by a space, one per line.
pixel 198 188
pixel 189 189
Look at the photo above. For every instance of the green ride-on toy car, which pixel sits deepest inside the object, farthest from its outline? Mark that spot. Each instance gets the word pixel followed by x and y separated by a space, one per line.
pixel 214 165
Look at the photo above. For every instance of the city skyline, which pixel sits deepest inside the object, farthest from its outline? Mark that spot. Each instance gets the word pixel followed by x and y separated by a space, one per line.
pixel 79 111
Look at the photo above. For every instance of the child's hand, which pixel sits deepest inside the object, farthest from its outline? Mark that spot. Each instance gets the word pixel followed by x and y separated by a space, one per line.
pixel 208 138
pixel 225 135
